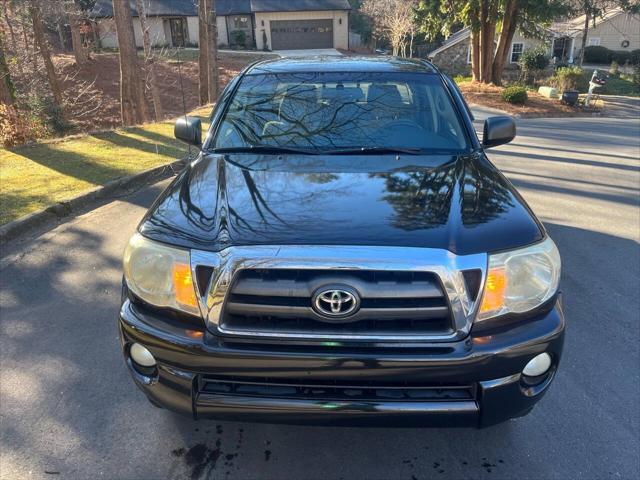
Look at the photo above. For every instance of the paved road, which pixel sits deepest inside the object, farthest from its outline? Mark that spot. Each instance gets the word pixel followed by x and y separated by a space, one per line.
pixel 69 406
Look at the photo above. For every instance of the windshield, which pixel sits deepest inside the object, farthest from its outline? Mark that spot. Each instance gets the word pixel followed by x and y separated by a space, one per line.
pixel 323 112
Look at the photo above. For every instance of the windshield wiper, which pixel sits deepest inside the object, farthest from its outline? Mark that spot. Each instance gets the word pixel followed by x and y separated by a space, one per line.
pixel 265 149
pixel 369 150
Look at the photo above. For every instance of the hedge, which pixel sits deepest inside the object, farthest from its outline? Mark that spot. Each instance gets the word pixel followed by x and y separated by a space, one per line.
pixel 602 55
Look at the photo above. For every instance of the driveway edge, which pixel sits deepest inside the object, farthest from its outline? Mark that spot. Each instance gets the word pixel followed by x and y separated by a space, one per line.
pixel 85 201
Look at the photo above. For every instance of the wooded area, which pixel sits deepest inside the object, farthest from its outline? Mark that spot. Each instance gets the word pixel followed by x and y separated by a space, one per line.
pixel 33 101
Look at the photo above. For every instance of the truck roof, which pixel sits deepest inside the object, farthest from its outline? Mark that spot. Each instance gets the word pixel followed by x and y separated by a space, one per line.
pixel 377 64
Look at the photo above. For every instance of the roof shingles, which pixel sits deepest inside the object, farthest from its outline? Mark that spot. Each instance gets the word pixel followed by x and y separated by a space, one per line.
pixel 189 8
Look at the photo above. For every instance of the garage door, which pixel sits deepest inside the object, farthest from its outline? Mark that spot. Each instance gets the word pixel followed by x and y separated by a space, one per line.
pixel 301 34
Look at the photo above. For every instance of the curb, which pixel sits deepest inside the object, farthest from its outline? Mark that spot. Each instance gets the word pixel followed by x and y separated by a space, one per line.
pixel 84 201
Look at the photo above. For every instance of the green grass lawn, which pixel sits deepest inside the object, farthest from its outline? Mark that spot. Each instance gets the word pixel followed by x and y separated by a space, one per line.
pixel 36 176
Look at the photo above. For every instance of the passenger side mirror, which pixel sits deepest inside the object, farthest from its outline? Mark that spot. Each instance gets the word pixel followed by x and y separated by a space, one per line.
pixel 498 131
pixel 189 130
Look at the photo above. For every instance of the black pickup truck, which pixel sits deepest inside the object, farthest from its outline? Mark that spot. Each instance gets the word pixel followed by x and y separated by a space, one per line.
pixel 342 251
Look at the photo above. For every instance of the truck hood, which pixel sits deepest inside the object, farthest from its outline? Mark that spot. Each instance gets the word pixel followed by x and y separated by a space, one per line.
pixel 460 203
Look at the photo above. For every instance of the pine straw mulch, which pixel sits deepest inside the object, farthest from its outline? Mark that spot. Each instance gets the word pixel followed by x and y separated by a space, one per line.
pixel 536 106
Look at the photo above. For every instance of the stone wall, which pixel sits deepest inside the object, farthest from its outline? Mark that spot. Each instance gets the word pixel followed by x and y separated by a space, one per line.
pixel 453 60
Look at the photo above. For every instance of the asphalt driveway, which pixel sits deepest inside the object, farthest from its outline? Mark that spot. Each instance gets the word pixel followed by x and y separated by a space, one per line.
pixel 68 408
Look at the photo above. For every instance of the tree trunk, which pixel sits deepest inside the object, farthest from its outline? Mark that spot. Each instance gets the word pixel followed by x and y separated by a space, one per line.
pixel 506 37
pixel 149 60
pixel 59 29
pixel 14 40
pixel 585 31
pixel 59 9
pixel 41 42
pixel 212 36
pixel 475 56
pixel 27 50
pixel 411 45
pixel 7 90
pixel 487 37
pixel 12 33
pixel 79 52
pixel 133 107
pixel 203 47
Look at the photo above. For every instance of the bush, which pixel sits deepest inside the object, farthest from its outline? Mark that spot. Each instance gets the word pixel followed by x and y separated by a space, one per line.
pixel 598 54
pixel 568 78
pixel 18 127
pixel 621 56
pixel 239 38
pixel 515 94
pixel 634 57
pixel 534 59
pixel 532 62
pixel 614 69
pixel 636 74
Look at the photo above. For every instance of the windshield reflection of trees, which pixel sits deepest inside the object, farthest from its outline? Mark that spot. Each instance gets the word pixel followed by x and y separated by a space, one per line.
pixel 305 113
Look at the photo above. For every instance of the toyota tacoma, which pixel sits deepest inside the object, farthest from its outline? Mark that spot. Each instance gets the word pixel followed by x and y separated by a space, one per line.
pixel 342 251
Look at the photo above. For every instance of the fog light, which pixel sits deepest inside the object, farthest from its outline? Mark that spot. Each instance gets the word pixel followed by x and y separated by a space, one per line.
pixel 142 356
pixel 537 366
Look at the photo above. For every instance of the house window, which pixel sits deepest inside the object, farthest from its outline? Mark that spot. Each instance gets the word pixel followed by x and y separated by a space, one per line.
pixel 240 22
pixel 516 51
pixel 468 53
pixel 593 41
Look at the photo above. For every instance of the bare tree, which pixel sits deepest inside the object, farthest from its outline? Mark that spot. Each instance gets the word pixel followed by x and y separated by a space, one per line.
pixel 45 53
pixel 393 20
pixel 7 90
pixel 149 60
pixel 203 48
pixel 133 108
pixel 12 37
pixel 212 58
pixel 76 22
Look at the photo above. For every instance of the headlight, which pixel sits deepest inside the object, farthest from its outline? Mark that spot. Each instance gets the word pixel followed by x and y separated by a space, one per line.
pixel 520 280
pixel 160 275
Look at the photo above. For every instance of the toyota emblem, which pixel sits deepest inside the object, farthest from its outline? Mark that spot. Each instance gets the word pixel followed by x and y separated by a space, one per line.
pixel 336 301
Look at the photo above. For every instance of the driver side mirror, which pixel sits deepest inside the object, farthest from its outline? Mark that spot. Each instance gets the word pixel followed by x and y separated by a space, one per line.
pixel 498 131
pixel 189 130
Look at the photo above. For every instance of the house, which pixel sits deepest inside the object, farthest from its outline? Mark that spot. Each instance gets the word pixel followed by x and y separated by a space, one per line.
pixel 260 24
pixel 617 30
pixel 454 55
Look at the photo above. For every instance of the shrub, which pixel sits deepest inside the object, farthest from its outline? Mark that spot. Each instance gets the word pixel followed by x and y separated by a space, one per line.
pixel 534 59
pixel 515 94
pixel 636 74
pixel 598 54
pixel 239 37
pixel 532 62
pixel 621 56
pixel 614 69
pixel 18 127
pixel 568 78
pixel 634 57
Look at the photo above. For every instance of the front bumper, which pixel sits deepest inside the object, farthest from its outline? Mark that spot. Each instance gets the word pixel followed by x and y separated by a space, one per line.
pixel 491 362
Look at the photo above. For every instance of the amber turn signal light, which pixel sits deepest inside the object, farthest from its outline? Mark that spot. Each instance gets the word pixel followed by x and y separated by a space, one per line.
pixel 494 290
pixel 183 285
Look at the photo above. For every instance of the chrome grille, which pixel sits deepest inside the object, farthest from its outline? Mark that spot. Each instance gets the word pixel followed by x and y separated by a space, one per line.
pixel 279 301
pixel 431 270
